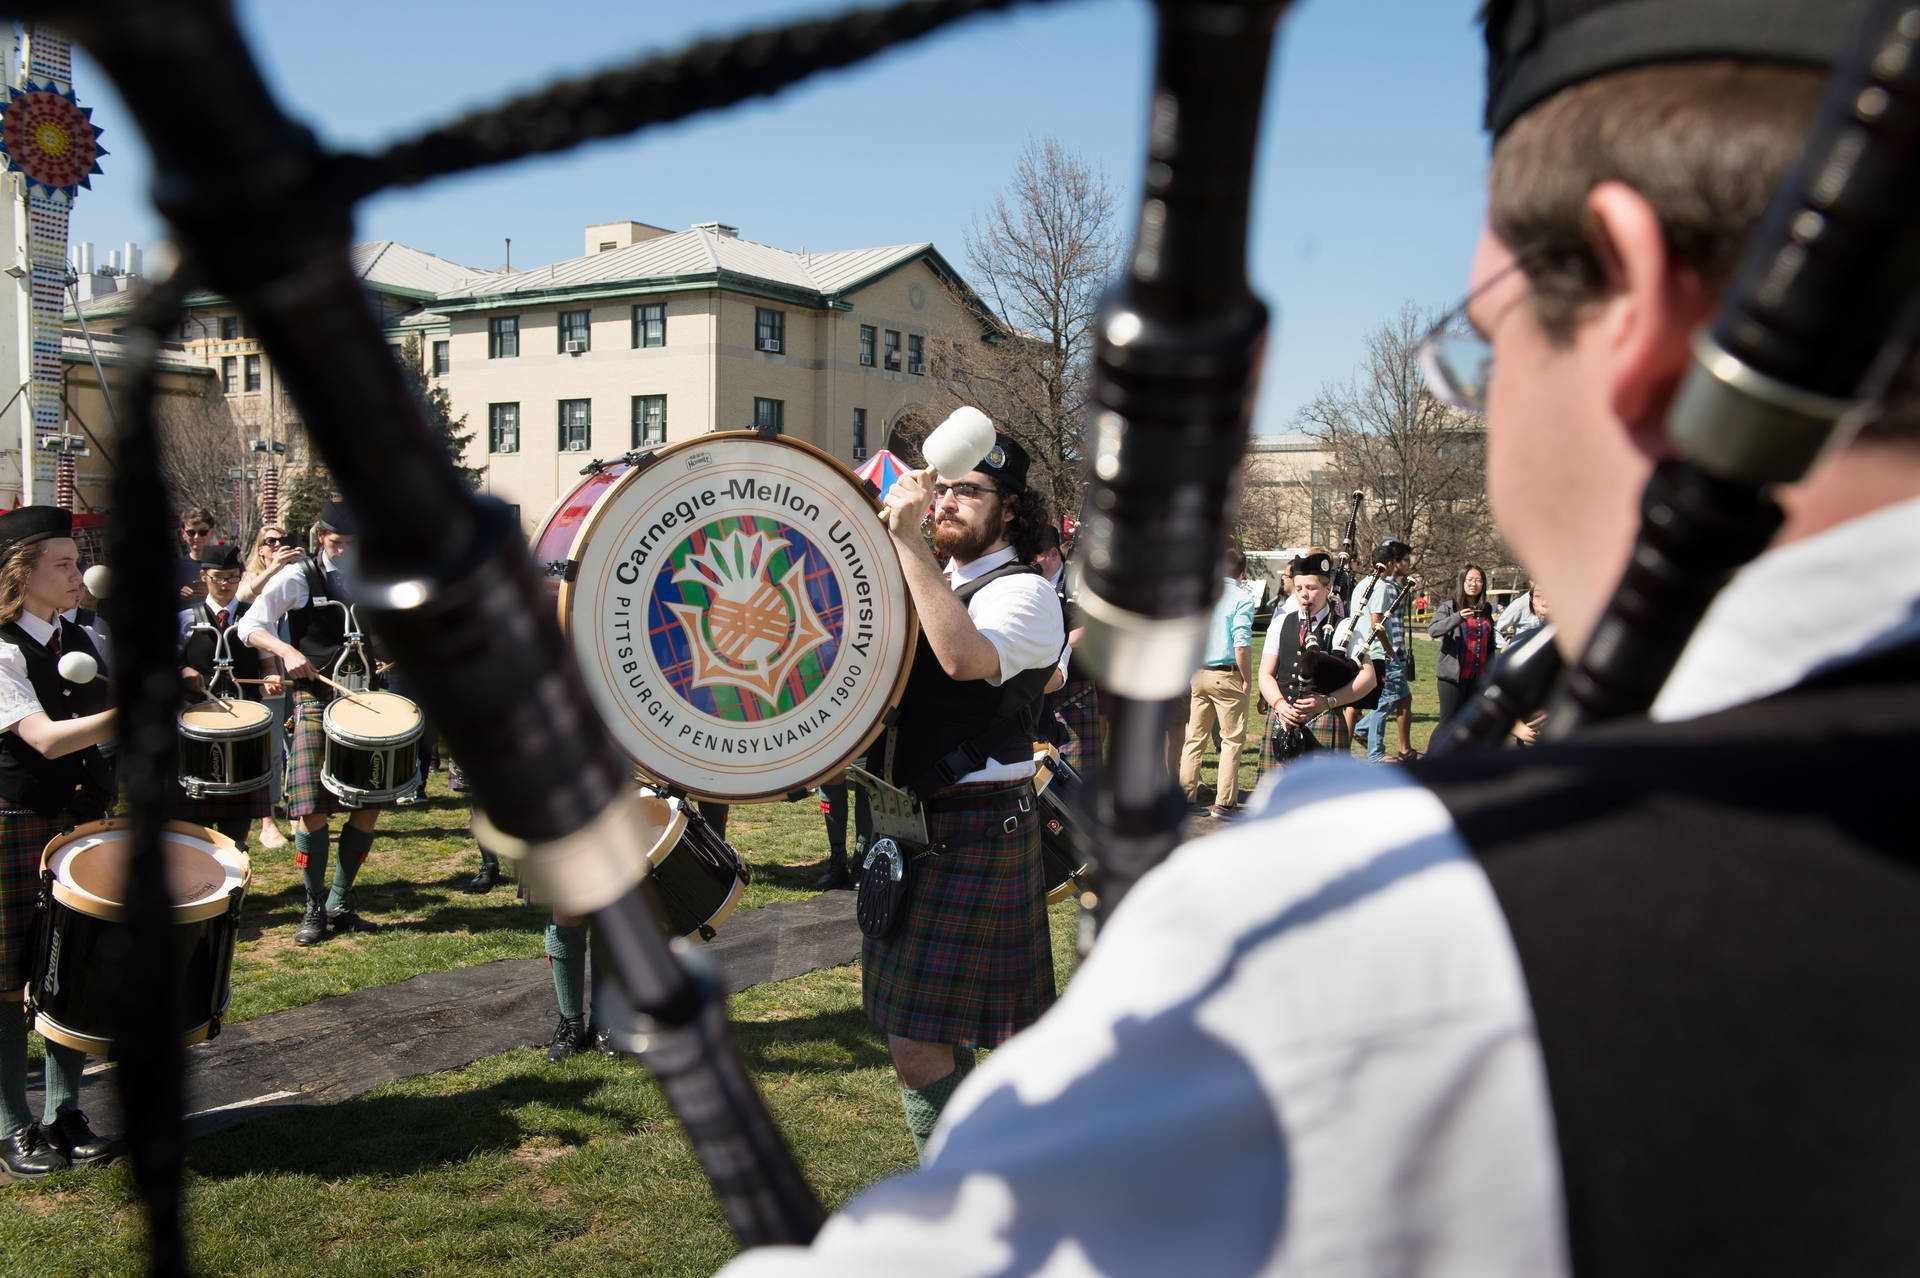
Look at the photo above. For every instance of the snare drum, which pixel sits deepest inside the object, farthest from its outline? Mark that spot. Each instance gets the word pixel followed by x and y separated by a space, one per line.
pixel 1063 836
pixel 77 949
pixel 225 748
pixel 737 609
pixel 373 751
pixel 698 874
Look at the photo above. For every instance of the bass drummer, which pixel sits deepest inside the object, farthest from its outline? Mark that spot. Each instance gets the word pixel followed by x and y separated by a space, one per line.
pixel 221 569
pixel 52 776
pixel 972 964
pixel 304 594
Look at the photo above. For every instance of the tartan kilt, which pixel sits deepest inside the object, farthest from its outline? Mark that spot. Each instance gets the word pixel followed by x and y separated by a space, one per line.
pixel 306 755
pixel 1076 717
pixel 973 962
pixel 23 838
pixel 1325 731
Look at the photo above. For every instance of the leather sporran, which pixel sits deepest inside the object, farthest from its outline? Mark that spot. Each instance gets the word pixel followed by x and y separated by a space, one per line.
pixel 886 888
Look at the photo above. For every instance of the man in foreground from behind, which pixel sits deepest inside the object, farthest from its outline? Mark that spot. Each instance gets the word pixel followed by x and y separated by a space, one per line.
pixel 1635 1002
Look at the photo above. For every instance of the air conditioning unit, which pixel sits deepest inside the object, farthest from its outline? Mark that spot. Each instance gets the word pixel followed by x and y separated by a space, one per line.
pixel 576 347
pixel 916 368
pixel 576 445
pixel 859 454
pixel 770 344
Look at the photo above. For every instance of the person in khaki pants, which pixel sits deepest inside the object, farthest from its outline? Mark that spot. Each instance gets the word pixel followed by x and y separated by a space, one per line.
pixel 1219 693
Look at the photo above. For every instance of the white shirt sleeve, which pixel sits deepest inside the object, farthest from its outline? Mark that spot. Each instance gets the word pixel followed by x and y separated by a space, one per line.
pixel 1020 616
pixel 287 591
pixel 1309 1064
pixel 17 697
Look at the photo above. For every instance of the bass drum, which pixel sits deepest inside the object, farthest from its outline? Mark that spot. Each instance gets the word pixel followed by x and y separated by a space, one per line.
pixel 737 609
pixel 77 947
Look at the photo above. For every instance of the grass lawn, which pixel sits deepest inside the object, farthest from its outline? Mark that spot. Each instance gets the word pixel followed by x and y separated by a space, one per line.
pixel 575 1168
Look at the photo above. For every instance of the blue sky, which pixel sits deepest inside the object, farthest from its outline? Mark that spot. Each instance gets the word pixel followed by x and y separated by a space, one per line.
pixel 1369 185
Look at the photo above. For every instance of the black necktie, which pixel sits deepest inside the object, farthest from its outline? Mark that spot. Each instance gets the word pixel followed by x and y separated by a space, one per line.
pixel 53 640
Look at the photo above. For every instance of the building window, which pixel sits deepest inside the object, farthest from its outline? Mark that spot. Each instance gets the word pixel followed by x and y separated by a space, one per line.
pixel 916 354
pixel 576 425
pixel 769 330
pixel 769 414
pixel 650 324
pixel 503 428
pixel 868 337
pixel 230 374
pixel 503 337
pixel 250 372
pixel 575 332
pixel 649 419
pixel 859 433
pixel 442 358
pixel 893 351
pixel 229 328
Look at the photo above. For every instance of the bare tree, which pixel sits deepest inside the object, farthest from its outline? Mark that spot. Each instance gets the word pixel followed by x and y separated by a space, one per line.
pixel 201 446
pixel 1421 463
pixel 1038 258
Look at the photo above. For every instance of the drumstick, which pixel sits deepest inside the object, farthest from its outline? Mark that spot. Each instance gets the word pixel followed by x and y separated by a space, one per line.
pixel 342 689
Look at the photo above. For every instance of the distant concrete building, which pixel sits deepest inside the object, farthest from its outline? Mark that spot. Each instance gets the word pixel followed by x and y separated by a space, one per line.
pixel 1286 497
pixel 657 337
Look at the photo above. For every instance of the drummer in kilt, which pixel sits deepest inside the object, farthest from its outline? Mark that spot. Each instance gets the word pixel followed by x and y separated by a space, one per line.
pixel 1304 704
pixel 972 963
pixel 52 776
pixel 221 569
pixel 303 593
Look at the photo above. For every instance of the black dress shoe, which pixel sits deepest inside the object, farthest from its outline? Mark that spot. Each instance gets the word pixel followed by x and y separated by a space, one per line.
pixel 835 880
pixel 28 1155
pixel 72 1137
pixel 600 1041
pixel 345 920
pixel 485 880
pixel 313 928
pixel 567 1040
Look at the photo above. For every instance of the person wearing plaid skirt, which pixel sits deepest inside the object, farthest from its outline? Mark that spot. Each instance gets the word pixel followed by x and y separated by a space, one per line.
pixel 306 594
pixel 52 776
pixel 972 963
pixel 1296 701
pixel 221 569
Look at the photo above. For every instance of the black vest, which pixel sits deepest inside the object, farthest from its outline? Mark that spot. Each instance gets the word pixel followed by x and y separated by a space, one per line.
pixel 318 630
pixel 1718 923
pixel 947 728
pixel 198 650
pixel 1287 649
pixel 80 782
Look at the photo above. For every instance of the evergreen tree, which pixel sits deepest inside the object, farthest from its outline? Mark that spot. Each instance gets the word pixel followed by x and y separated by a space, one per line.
pixel 453 435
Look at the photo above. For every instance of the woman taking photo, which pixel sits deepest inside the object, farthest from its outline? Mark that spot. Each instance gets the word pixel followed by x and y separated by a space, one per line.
pixel 52 777
pixel 1464 627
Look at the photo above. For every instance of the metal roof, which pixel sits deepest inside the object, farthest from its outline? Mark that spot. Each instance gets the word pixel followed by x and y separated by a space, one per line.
pixel 699 251
pixel 73 349
pixel 392 265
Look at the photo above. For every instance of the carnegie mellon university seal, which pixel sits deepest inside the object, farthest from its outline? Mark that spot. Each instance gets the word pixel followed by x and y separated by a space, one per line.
pixel 740 616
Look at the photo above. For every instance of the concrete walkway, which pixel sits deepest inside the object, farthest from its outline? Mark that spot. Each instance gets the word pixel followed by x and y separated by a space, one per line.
pixel 337 1048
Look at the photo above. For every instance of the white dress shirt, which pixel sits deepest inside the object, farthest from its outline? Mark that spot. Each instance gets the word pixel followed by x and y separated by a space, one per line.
pixel 1020 616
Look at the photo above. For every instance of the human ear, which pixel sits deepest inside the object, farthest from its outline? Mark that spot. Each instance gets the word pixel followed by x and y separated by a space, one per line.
pixel 1648 314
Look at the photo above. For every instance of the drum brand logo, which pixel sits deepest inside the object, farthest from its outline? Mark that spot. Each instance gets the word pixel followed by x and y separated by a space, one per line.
pixel 753 630
pixel 756 610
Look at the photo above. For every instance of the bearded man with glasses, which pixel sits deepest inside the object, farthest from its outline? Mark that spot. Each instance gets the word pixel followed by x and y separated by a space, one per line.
pixel 973 961
pixel 1636 1002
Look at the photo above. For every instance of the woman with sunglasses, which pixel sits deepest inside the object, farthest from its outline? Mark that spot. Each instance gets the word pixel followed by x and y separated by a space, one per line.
pixel 271 552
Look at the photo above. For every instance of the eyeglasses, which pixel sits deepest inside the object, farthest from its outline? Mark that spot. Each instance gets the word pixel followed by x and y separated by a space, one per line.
pixel 224 578
pixel 1457 366
pixel 272 541
pixel 199 532
pixel 964 491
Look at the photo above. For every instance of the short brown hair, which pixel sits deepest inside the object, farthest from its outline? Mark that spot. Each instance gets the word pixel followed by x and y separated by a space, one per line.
pixel 1705 143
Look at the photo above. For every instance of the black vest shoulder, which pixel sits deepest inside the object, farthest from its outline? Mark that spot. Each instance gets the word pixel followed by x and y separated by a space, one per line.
pixel 318 630
pixel 81 782
pixel 939 715
pixel 198 649
pixel 1717 921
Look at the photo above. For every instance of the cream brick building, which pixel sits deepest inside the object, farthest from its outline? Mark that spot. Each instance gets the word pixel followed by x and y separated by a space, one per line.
pixel 657 336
